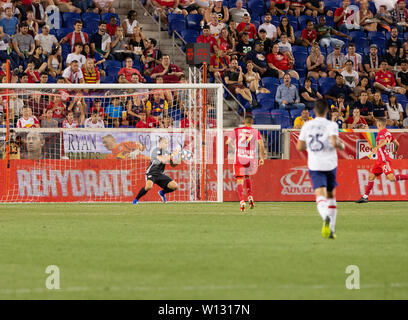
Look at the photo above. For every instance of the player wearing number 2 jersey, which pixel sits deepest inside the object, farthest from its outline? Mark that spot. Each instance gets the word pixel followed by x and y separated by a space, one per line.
pixel 383 162
pixel 320 138
pixel 245 141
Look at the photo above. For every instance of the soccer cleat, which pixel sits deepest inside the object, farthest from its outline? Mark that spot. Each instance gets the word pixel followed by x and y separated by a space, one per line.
pixel 135 201
pixel 242 204
pixel 332 235
pixel 326 228
pixel 362 200
pixel 251 203
pixel 162 196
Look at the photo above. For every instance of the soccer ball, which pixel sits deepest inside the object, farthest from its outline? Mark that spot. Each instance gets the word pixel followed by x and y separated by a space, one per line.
pixel 186 155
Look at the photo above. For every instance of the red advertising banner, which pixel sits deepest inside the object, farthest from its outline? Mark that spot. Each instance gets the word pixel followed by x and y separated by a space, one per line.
pixel 119 181
pixel 358 145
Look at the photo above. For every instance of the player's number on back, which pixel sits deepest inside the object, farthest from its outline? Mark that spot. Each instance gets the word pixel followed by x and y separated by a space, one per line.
pixel 314 144
pixel 244 140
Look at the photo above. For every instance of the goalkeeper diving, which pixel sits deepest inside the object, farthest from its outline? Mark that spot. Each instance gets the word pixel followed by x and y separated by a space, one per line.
pixel 160 156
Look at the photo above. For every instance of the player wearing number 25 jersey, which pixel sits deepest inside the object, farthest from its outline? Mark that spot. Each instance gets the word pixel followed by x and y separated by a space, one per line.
pixel 320 138
pixel 245 141
pixel 383 163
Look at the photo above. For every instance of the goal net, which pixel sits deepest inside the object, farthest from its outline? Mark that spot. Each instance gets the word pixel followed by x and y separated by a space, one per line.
pixel 93 143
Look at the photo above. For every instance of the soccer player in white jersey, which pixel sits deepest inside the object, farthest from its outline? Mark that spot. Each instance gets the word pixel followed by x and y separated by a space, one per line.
pixel 320 138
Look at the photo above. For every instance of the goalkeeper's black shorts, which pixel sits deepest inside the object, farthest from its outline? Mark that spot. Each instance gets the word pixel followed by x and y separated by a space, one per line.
pixel 160 179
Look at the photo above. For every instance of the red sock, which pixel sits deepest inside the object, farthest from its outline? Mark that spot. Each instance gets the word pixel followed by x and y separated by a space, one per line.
pixel 248 186
pixel 368 188
pixel 400 177
pixel 240 190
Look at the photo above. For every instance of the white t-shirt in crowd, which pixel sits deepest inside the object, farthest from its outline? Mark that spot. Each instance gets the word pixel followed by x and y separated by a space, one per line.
pixel 394 112
pixel 89 124
pixel 78 57
pixel 321 155
pixel 269 28
pixel 351 79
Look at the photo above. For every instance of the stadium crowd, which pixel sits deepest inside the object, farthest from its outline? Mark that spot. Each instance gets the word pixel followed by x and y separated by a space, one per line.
pixel 276 56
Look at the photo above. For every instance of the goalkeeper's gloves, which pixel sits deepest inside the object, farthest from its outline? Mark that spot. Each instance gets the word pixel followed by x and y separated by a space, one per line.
pixel 134 154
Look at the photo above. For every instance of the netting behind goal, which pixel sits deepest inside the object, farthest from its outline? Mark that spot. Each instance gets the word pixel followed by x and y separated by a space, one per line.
pixel 67 143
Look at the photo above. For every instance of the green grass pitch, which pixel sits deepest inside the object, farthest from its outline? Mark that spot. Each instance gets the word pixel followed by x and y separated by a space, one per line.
pixel 202 251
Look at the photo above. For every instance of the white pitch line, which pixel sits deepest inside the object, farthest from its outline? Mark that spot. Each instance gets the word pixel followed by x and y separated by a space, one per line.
pixel 108 289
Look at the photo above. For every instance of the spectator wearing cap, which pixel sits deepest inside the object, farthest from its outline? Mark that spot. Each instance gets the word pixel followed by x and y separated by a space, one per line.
pixel 392 57
pixel 45 40
pixel 206 37
pixel 302 119
pixel 244 46
pixel 237 13
pixel 372 61
pixel 336 117
pixel 9 23
pixel 271 32
pixel 402 76
pixel 340 88
pixel 246 26
pixel 335 61
pixel 385 80
pixel 221 11
pixel 215 25
pixel 324 34
pixel 258 58
pixel 287 95
pixel 76 36
pixel 151 56
pixel 262 36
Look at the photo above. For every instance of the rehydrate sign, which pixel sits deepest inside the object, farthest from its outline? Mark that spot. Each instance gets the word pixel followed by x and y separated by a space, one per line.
pixel 119 180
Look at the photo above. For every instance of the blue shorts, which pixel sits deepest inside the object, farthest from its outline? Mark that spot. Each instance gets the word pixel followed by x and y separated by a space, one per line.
pixel 322 179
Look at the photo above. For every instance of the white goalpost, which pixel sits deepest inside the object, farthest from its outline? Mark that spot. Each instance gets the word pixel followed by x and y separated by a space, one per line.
pixel 73 159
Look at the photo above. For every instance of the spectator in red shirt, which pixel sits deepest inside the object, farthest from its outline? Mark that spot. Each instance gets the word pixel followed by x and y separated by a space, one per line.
pixel 246 26
pixel 185 122
pixel 57 107
pixel 309 34
pixel 385 80
pixel 171 73
pixel 356 121
pixel 147 122
pixel 280 62
pixel 206 37
pixel 164 7
pixel 342 14
pixel 112 26
pixel 128 70
pixel 76 36
pixel 33 75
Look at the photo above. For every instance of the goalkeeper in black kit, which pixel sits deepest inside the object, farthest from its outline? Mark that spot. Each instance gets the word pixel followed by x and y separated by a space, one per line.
pixel 160 156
